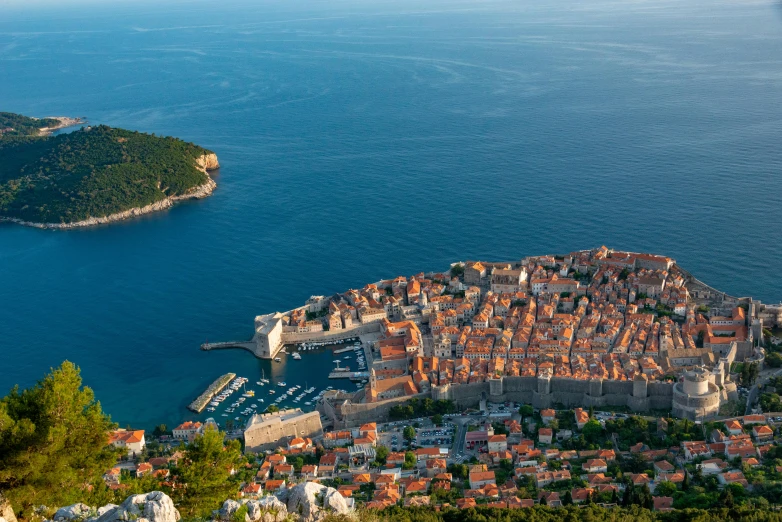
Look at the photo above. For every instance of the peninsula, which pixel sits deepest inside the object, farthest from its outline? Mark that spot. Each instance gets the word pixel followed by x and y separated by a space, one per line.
pixel 94 175
pixel 600 328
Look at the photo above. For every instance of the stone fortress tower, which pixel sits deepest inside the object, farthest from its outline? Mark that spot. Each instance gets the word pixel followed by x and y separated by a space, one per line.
pixel 696 396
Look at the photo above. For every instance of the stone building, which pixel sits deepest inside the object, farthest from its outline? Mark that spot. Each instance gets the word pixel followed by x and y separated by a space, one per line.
pixel 272 430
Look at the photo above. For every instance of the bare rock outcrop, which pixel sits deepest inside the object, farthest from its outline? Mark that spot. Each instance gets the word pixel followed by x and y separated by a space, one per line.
pixel 151 507
pixel 73 513
pixel 266 509
pixel 6 511
pixel 311 501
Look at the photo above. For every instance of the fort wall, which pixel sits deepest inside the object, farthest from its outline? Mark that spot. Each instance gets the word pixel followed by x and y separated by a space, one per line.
pixel 271 431
pixel 540 392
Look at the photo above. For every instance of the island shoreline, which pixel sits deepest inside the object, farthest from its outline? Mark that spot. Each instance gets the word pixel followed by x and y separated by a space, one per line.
pixel 205 163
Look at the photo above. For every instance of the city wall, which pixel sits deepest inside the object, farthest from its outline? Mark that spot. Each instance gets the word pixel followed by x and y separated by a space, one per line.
pixel 638 396
pixel 328 335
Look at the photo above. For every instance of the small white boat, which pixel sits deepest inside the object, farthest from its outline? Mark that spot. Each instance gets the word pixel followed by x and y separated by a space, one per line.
pixel 281 384
pixel 277 359
pixel 296 356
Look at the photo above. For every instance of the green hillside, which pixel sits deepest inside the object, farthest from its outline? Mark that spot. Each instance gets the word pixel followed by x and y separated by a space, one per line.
pixel 92 172
pixel 17 125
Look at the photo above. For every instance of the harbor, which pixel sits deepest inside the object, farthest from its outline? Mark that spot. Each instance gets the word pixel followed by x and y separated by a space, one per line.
pixel 297 377
pixel 216 387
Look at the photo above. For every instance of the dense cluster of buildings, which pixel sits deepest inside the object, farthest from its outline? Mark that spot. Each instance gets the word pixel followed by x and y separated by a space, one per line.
pixel 598 314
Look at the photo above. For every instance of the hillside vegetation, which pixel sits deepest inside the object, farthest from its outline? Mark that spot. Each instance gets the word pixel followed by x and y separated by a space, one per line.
pixel 17 125
pixel 92 172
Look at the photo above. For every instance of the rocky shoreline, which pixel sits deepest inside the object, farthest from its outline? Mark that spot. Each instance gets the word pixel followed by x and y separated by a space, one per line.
pixel 64 123
pixel 205 163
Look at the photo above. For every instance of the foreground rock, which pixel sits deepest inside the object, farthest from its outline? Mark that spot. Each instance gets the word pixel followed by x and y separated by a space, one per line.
pixel 151 507
pixel 267 509
pixel 308 502
pixel 74 512
pixel 311 501
pixel 6 511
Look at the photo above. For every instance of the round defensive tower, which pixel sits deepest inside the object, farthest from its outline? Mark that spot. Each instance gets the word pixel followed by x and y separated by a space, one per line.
pixel 695 397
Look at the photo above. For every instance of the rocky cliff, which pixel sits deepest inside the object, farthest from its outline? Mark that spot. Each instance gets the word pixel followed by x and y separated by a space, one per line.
pixel 205 163
pixel 308 502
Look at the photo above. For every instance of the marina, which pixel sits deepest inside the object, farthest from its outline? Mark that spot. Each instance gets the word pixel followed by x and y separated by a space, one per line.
pixel 205 398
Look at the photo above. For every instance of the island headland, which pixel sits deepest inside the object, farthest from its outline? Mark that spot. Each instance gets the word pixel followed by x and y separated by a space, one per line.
pixel 94 175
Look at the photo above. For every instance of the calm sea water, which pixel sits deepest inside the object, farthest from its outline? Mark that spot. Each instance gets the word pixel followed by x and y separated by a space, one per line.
pixel 366 140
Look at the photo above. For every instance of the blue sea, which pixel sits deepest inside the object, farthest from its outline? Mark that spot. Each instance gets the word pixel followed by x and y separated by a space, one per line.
pixel 364 140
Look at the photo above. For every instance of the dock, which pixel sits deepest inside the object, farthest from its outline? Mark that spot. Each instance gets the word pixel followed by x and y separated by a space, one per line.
pixel 343 350
pixel 216 387
pixel 353 376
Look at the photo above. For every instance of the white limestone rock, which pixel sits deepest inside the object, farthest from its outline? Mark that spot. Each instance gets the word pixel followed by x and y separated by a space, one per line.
pixel 311 501
pixel 226 512
pixel 6 511
pixel 266 509
pixel 151 507
pixel 73 513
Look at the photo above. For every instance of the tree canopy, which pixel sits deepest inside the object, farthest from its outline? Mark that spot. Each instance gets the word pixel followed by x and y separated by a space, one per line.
pixel 206 473
pixel 92 172
pixel 17 125
pixel 53 441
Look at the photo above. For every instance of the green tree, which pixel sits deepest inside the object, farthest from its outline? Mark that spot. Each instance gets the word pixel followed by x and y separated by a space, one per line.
pixel 53 441
pixel 206 473
pixel 526 410
pixel 437 419
pixel 774 360
pixel 665 488
pixel 592 431
pixel 567 499
pixel 409 433
pixel 410 460
pixel 160 429
pixel 726 498
pixel 381 454
pixel 457 270
pixel 273 408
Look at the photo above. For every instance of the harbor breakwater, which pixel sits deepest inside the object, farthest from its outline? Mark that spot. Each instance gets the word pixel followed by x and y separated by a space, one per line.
pixel 216 387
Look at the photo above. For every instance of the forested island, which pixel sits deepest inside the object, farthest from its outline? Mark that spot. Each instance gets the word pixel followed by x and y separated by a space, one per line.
pixel 94 175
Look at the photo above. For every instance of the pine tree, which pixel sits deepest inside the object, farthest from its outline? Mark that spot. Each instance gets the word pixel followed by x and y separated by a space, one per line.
pixel 53 441
pixel 627 497
pixel 567 499
pixel 207 473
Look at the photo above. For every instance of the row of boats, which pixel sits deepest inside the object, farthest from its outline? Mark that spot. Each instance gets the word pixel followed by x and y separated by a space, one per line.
pixel 234 386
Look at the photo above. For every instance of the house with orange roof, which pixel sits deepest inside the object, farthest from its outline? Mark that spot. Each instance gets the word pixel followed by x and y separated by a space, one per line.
pixel 581 417
pixel 309 471
pixel 662 503
pixel 478 479
pixel 581 495
pixel 275 486
pixel 549 498
pixel 187 431
pixel 595 466
pixel 132 441
pixel 732 477
pixel 145 468
pixel 497 443
pixel 762 433
pixel 547 416
pixel 544 435
pixel 251 491
pixel 734 427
